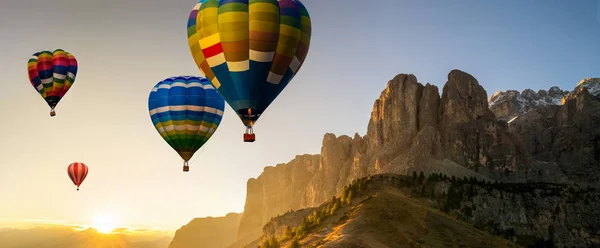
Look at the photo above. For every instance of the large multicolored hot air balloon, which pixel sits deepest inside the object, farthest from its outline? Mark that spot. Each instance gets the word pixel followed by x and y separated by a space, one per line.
pixel 77 172
pixel 52 74
pixel 249 50
pixel 186 111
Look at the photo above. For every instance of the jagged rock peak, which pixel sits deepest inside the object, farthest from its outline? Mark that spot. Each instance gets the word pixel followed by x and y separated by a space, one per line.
pixel 463 98
pixel 592 85
pixel 508 104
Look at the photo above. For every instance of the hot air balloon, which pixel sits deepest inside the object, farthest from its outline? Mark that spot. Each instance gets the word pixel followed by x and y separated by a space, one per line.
pixel 77 172
pixel 52 74
pixel 249 50
pixel 185 111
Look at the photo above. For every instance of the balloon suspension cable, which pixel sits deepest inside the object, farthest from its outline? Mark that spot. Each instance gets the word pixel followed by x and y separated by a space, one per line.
pixel 250 117
pixel 52 112
pixel 186 167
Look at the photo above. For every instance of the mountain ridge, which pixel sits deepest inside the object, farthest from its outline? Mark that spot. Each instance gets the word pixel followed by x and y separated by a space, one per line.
pixel 412 128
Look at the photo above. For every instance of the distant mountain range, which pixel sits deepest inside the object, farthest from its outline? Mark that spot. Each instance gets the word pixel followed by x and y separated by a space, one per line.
pixel 509 104
pixel 545 165
pixel 67 237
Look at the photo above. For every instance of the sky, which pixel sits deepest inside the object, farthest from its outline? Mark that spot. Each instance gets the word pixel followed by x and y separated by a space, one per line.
pixel 125 47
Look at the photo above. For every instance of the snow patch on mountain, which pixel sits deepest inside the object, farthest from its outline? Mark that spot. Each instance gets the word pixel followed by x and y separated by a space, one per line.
pixel 507 105
pixel 511 103
pixel 592 85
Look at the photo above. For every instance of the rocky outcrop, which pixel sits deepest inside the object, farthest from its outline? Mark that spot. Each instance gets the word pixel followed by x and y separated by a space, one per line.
pixel 472 136
pixel 411 128
pixel 216 232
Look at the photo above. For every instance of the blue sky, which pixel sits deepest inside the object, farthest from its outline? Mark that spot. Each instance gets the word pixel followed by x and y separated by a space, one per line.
pixel 125 47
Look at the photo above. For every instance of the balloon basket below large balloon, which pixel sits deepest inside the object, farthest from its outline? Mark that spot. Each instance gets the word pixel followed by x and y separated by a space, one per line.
pixel 186 167
pixel 52 112
pixel 249 137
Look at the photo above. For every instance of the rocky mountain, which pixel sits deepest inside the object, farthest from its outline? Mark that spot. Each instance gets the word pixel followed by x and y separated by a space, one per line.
pixel 387 210
pixel 207 232
pixel 506 105
pixel 412 129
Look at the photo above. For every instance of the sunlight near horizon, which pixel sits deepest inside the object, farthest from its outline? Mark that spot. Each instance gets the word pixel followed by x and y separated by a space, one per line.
pixel 104 223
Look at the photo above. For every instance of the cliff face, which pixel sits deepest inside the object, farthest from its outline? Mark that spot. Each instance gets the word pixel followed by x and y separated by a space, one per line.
pixel 566 137
pixel 411 129
pixel 277 190
pixel 207 232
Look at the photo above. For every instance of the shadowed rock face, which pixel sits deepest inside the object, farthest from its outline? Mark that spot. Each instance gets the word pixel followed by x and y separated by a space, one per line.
pixel 472 136
pixel 413 128
pixel 567 136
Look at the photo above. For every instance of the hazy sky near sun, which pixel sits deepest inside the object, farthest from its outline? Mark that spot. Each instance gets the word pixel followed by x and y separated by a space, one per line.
pixel 124 47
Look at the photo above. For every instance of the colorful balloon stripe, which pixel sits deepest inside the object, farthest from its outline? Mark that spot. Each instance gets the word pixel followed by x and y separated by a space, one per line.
pixel 52 74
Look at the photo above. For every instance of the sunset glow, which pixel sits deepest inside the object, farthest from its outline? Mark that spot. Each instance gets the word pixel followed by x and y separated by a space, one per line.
pixel 104 223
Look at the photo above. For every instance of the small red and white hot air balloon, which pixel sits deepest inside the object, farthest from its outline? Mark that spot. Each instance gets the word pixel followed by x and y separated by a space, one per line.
pixel 77 172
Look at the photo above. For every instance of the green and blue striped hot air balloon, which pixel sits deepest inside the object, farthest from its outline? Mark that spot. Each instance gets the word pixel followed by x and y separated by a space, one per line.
pixel 186 111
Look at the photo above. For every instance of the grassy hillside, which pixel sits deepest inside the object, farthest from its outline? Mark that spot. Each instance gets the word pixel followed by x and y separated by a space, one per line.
pixel 373 215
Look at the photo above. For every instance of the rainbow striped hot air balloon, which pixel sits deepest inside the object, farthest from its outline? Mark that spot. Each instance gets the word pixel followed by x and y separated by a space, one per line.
pixel 52 74
pixel 186 111
pixel 249 50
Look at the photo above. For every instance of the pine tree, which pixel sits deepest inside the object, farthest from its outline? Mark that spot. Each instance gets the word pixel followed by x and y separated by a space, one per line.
pixel 335 207
pixel 344 192
pixel 421 177
pixel 349 199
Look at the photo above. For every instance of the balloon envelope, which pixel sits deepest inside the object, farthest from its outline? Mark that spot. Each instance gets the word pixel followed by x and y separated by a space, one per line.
pixel 52 74
pixel 77 172
pixel 249 50
pixel 185 111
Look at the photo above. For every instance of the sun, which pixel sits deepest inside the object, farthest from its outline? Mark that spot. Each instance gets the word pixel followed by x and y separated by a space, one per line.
pixel 104 223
